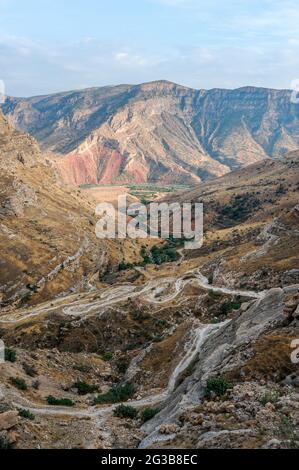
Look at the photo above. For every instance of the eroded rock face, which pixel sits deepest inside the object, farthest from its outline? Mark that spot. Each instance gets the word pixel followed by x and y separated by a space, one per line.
pixel 159 131
pixel 223 351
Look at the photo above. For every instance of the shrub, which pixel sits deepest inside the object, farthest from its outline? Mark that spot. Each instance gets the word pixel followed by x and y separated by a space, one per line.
pixel 20 384
pixel 269 397
pixel 107 356
pixel 228 307
pixel 149 413
pixel 4 443
pixel 59 401
pixel 124 411
pixel 84 388
pixel 217 385
pixel 286 430
pixel 10 355
pixel 116 394
pixel 26 414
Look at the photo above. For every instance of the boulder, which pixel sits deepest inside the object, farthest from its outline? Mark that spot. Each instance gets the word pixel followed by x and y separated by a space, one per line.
pixel 8 420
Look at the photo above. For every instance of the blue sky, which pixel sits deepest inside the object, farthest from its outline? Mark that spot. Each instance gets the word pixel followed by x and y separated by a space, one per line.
pixel 54 45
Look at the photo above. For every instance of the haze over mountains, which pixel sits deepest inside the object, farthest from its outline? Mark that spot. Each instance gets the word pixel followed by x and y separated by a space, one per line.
pixel 158 132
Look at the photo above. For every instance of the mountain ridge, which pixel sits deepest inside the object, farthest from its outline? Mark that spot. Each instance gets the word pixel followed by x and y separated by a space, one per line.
pixel 157 131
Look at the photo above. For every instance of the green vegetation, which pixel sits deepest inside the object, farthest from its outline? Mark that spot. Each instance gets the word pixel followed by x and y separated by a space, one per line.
pixel 124 411
pixel 59 401
pixel 116 394
pixel 10 355
pixel 218 386
pixel 210 279
pixel 4 443
pixel 269 397
pixel 107 356
pixel 165 253
pixel 238 210
pixel 228 307
pixel 286 430
pixel 20 384
pixel 149 413
pixel 26 414
pixel 84 388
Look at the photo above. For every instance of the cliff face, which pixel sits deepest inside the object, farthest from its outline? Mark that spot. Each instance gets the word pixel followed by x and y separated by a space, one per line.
pixel 158 132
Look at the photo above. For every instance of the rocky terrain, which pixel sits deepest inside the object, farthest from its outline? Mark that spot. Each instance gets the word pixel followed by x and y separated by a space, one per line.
pixel 157 132
pixel 192 350
pixel 47 233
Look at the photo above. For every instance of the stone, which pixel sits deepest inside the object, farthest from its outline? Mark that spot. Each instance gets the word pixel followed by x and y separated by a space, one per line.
pixel 8 420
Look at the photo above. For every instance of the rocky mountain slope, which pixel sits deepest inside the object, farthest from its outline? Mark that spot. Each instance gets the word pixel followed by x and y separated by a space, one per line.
pixel 200 348
pixel 48 244
pixel 159 131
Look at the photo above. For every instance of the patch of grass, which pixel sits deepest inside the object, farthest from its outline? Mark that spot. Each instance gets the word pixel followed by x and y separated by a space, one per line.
pixel 149 413
pixel 116 394
pixel 10 355
pixel 269 397
pixel 271 359
pixel 26 414
pixel 124 411
pixel 19 383
pixel 218 386
pixel 84 388
pixel 286 430
pixel 59 401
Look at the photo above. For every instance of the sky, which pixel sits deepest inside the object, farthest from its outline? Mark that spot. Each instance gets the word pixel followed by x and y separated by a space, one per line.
pixel 57 45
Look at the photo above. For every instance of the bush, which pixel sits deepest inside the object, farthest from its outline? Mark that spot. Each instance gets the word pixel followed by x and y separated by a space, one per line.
pixel 10 355
pixel 107 356
pixel 4 443
pixel 149 413
pixel 59 401
pixel 123 411
pixel 84 388
pixel 166 253
pixel 217 385
pixel 228 307
pixel 20 384
pixel 116 394
pixel 26 414
pixel 269 397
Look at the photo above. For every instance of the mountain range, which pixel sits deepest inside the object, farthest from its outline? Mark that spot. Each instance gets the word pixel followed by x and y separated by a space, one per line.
pixel 157 132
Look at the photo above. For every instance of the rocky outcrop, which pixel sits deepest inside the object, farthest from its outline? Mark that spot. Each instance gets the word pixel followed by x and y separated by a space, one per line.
pixel 159 131
pixel 8 420
pixel 223 351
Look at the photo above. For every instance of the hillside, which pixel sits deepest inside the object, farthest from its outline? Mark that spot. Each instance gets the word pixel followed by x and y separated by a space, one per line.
pixel 48 244
pixel 158 132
